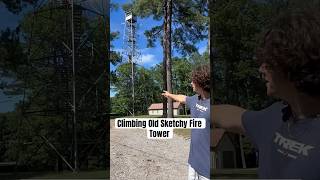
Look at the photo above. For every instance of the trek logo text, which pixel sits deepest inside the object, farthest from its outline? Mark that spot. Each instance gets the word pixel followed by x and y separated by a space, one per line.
pixel 291 145
pixel 201 108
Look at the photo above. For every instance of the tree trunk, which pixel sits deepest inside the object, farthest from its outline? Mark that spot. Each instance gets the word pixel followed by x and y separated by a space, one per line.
pixel 210 49
pixel 106 94
pixel 167 39
pixel 164 100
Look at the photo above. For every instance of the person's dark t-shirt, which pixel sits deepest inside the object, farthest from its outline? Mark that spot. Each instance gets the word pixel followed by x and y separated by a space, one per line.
pixel 287 149
pixel 199 154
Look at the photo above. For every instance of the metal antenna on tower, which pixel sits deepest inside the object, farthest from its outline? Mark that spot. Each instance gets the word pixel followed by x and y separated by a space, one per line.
pixel 130 49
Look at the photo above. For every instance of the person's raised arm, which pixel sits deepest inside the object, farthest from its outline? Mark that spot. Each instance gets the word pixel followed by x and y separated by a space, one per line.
pixel 177 97
pixel 228 117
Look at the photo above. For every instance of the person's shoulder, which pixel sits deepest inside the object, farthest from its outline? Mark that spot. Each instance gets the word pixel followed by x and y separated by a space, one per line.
pixel 193 97
pixel 273 114
pixel 262 123
pixel 275 107
pixel 273 110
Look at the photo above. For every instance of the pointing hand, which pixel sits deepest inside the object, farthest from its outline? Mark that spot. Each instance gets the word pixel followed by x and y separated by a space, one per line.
pixel 165 94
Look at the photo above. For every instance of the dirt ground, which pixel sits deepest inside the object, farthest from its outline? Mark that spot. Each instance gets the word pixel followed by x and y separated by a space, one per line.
pixel 134 156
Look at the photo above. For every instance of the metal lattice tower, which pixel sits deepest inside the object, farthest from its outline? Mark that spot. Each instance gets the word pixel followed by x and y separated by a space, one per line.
pixel 130 37
pixel 130 48
pixel 68 57
pixel 67 72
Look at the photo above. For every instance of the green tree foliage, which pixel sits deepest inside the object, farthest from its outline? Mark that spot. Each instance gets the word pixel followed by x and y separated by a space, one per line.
pixel 148 83
pixel 16 6
pixel 37 59
pixel 146 90
pixel 10 61
pixel 189 22
pixel 236 26
pixel 181 72
pixel 22 142
pixel 184 24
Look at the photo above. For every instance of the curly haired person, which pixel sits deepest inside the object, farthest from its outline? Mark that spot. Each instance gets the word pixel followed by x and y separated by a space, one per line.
pixel 199 105
pixel 287 134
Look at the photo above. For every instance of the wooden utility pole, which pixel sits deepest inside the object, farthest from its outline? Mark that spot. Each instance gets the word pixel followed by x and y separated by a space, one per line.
pixel 167 52
pixel 164 75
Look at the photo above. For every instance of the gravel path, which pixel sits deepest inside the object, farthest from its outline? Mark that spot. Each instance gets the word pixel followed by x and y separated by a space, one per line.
pixel 133 156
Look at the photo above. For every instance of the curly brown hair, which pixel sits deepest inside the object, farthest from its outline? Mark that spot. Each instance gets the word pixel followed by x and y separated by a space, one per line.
pixel 292 43
pixel 201 76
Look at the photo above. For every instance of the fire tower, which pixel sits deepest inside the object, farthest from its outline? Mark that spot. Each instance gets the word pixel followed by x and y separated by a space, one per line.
pixel 130 48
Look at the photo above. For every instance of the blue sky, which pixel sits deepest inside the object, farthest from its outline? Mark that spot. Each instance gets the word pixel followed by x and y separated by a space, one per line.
pixel 149 56
pixel 7 20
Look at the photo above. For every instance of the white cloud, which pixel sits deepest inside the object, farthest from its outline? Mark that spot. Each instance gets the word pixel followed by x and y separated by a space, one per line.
pixel 147 58
pixel 144 50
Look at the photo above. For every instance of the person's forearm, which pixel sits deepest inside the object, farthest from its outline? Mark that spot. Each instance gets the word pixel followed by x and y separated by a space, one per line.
pixel 178 97
pixel 228 117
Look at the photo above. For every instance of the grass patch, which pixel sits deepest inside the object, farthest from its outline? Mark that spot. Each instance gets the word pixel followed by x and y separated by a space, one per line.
pixel 102 174
pixel 186 133
pixel 97 174
pixel 249 173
